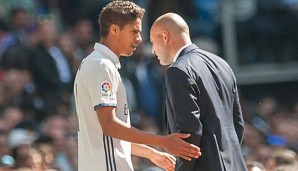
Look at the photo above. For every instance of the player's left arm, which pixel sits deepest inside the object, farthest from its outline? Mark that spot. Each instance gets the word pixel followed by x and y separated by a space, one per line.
pixel 161 159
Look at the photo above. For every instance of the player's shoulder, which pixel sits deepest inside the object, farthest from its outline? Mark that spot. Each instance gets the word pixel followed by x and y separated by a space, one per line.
pixel 95 64
pixel 98 58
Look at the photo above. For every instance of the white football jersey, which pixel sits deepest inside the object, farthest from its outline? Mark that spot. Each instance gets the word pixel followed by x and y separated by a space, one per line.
pixel 97 84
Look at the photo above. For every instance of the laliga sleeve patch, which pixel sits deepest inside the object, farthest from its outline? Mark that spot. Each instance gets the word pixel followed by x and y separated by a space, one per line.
pixel 106 88
pixel 106 92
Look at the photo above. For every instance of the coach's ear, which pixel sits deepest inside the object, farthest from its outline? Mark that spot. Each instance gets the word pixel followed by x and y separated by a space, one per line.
pixel 165 37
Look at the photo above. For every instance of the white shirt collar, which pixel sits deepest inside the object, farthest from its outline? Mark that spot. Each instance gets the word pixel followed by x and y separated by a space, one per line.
pixel 110 54
pixel 179 51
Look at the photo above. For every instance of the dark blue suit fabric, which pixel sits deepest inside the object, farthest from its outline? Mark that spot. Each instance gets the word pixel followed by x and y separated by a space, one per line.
pixel 202 99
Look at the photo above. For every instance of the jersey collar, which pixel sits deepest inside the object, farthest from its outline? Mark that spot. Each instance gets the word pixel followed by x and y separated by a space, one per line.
pixel 110 54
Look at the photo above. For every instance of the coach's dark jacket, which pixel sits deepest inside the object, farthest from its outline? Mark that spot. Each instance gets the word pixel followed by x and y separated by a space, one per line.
pixel 202 99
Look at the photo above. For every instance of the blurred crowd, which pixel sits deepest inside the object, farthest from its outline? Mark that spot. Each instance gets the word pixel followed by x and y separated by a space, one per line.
pixel 41 46
pixel 271 133
pixel 38 62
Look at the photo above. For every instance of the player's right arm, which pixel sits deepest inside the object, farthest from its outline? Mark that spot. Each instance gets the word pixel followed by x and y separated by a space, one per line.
pixel 173 143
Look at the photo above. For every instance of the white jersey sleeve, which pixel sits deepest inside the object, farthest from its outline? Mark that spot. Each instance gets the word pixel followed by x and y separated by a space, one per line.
pixel 102 84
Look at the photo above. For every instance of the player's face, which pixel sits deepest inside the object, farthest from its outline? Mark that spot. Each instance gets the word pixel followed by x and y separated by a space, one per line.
pixel 130 37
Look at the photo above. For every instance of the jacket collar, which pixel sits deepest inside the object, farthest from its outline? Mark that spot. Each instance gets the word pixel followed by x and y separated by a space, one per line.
pixel 188 49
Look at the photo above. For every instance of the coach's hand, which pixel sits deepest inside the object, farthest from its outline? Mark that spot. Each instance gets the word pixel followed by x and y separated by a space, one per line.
pixel 175 144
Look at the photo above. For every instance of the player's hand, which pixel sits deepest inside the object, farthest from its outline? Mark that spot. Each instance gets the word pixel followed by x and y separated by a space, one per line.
pixel 163 160
pixel 177 146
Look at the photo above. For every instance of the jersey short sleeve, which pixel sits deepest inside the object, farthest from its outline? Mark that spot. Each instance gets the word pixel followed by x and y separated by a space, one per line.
pixel 102 84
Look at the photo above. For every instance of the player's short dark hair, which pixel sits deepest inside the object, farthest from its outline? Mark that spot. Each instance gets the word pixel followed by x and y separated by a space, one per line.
pixel 120 13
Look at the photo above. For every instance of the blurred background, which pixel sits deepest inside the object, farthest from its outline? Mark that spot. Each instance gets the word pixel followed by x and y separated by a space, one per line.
pixel 43 41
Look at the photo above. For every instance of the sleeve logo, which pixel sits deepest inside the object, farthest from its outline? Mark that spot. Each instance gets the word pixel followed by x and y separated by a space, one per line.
pixel 106 88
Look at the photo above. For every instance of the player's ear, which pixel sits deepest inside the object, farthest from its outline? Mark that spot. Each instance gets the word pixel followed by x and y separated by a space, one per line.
pixel 114 29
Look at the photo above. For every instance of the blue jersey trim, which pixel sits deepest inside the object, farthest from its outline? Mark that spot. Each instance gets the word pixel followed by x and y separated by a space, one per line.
pixel 105 105
pixel 109 153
